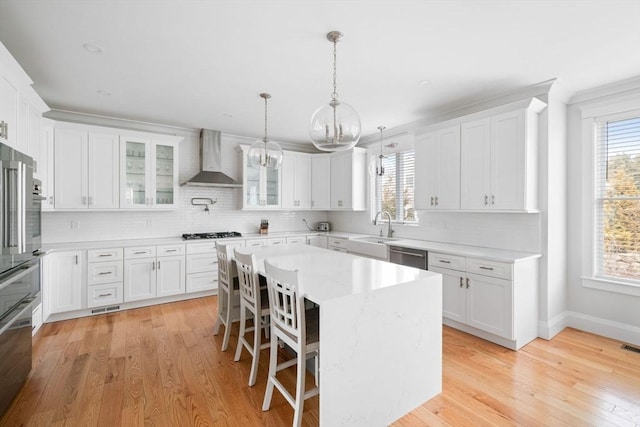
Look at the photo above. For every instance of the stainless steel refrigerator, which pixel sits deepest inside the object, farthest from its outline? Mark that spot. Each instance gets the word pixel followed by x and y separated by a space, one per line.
pixel 20 229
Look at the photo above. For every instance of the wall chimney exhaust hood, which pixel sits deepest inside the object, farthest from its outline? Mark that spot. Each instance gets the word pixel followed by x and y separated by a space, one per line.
pixel 211 174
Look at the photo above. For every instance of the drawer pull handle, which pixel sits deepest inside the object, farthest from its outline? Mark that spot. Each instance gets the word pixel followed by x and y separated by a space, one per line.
pixel 482 267
pixel 467 283
pixel 444 261
pixel 104 295
pixel 140 252
pixel 102 255
pixel 104 272
pixel 461 284
pixel 171 250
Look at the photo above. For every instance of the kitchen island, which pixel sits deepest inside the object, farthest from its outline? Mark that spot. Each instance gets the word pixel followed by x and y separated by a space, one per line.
pixel 380 332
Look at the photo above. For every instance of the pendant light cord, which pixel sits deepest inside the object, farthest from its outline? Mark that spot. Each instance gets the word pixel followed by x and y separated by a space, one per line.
pixel 265 120
pixel 334 95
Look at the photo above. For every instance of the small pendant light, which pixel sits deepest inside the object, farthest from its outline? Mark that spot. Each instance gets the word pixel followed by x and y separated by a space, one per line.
pixel 265 153
pixel 335 126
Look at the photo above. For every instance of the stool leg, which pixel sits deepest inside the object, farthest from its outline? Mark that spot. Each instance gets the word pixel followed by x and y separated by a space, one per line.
pixel 243 320
pixel 227 323
pixel 257 334
pixel 273 361
pixel 297 414
pixel 216 328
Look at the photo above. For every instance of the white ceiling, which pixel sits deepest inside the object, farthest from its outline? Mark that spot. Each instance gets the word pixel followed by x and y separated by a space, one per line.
pixel 203 63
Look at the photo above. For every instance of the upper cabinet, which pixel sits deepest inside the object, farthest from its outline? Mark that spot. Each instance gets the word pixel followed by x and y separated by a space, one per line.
pixel 321 181
pixel 498 160
pixel 86 170
pixel 260 187
pixel 437 183
pixel 486 161
pixel 348 186
pixel 149 173
pixel 296 181
pixel 98 168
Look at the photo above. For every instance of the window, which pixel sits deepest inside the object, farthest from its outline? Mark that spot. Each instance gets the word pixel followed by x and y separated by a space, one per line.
pixel 393 191
pixel 617 199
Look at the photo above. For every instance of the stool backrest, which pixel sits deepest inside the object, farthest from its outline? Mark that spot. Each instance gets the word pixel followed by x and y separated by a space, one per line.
pixel 225 265
pixel 285 305
pixel 248 277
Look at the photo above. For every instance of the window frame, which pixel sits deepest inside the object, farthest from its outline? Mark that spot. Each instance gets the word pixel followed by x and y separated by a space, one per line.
pixel 590 118
pixel 375 205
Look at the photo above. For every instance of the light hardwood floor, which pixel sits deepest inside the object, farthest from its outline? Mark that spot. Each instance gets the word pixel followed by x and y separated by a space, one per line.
pixel 161 366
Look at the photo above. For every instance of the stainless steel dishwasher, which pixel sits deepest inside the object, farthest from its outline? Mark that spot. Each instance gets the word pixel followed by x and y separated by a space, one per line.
pixel 408 256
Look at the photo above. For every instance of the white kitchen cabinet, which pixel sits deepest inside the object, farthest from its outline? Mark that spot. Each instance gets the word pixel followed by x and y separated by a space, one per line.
pixel 63 281
pixel 202 266
pixel 493 300
pixel 151 272
pixel 338 244
pixel 297 240
pixel 296 181
pixel 321 181
pixel 267 241
pixel 11 78
pixel 105 282
pixel 85 170
pixel 318 241
pixel 261 186
pixel 149 173
pixel 499 159
pixel 45 164
pixel 437 179
pixel 348 186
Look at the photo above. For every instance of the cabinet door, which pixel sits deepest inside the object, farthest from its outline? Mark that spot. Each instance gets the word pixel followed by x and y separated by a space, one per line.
pixel 271 187
pixel 289 181
pixel 139 279
pixel 261 186
pixel 45 166
pixel 303 181
pixel 475 165
pixel 320 181
pixel 134 176
pixel 318 241
pixel 489 305
pixel 426 171
pixel 33 136
pixel 64 290
pixel 104 171
pixel 448 157
pixel 453 294
pixel 341 172
pixel 9 109
pixel 197 282
pixel 171 276
pixel 165 176
pixel 507 161
pixel 22 142
pixel 71 169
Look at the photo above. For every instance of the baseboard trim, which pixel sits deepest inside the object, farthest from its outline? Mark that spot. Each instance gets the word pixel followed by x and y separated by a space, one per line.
pixel 595 325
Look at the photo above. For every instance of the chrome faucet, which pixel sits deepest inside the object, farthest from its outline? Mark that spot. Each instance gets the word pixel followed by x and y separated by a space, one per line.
pixel 375 222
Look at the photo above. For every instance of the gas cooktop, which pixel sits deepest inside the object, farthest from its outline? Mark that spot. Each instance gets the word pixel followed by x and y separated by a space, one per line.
pixel 216 235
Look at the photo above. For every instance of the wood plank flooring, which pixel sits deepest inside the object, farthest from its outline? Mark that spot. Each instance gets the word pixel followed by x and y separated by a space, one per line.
pixel 162 366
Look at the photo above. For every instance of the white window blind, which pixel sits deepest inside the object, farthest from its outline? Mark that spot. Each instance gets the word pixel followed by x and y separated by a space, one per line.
pixel 617 199
pixel 393 192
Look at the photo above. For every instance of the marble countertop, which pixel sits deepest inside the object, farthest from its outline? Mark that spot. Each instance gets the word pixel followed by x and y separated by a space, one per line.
pixel 489 254
pixel 348 275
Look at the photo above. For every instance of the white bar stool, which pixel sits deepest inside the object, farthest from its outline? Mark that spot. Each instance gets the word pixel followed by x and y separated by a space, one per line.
pixel 256 302
pixel 228 293
pixel 296 327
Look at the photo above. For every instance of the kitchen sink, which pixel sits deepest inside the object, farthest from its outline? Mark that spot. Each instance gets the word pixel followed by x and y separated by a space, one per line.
pixel 369 246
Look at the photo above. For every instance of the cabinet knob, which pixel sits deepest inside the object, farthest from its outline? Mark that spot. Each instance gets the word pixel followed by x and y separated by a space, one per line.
pixel 486 200
pixel 493 201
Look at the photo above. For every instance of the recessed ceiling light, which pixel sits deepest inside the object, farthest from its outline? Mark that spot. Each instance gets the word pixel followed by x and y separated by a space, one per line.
pixel 92 48
pixel 102 92
pixel 228 116
pixel 424 82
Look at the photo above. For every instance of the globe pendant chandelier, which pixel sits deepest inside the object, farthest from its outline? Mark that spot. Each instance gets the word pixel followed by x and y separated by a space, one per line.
pixel 265 153
pixel 335 126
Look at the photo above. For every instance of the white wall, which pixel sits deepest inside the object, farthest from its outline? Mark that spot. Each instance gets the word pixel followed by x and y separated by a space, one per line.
pixel 603 312
pixel 225 215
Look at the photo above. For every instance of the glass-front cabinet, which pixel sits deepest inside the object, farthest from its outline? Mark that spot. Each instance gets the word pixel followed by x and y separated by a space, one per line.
pixel 149 174
pixel 261 186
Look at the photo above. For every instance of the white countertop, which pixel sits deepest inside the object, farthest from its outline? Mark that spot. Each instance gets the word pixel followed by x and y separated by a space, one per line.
pixel 325 275
pixel 463 250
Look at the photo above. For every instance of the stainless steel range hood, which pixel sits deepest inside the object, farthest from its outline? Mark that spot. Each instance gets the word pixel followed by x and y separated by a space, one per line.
pixel 211 174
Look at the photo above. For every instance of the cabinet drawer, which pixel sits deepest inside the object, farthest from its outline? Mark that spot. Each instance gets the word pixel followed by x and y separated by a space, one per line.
pixel 497 269
pixel 301 240
pixel 104 272
pixel 99 255
pixel 140 252
pixel 201 263
pixel 252 243
pixel 202 248
pixel 202 282
pixel 453 262
pixel 99 295
pixel 275 242
pixel 169 250
pixel 336 242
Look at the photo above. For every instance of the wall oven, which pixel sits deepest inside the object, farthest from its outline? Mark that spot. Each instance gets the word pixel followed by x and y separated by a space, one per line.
pixel 20 229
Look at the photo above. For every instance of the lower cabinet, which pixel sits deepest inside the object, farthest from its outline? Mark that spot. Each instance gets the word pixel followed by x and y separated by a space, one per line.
pixel 318 241
pixel 152 272
pixel 63 274
pixel 104 277
pixel 494 300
